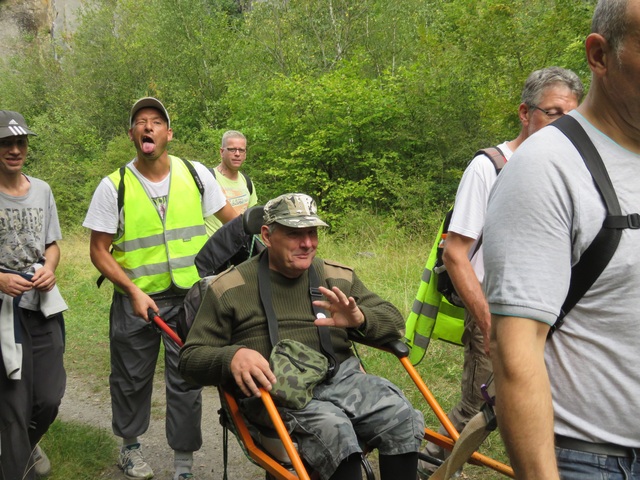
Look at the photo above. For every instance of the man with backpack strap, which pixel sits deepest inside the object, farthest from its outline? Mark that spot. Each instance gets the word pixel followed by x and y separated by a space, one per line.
pixel 154 239
pixel 236 185
pixel 567 406
pixel 231 340
pixel 547 95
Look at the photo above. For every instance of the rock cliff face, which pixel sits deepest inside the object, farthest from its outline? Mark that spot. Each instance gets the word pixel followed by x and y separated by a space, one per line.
pixel 20 18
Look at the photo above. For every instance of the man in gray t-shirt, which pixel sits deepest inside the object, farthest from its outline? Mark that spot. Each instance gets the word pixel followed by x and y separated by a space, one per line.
pixel 32 376
pixel 567 406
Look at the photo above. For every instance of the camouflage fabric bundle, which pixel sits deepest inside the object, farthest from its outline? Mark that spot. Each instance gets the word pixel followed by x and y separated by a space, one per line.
pixel 298 369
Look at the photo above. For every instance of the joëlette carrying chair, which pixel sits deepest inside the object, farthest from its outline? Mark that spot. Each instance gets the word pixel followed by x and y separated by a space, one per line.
pixel 278 463
pixel 279 457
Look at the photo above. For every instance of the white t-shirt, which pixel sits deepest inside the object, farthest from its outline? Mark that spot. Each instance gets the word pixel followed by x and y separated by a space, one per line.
pixel 471 203
pixel 102 215
pixel 543 213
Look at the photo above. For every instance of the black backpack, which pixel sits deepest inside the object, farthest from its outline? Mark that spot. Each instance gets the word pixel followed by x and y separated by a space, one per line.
pixel 232 244
pixel 445 285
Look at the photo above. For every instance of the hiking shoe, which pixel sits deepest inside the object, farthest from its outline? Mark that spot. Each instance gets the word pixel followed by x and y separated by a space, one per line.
pixel 185 476
pixel 41 463
pixel 132 463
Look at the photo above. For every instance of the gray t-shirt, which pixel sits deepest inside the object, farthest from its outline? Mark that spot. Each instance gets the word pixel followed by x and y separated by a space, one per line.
pixel 543 213
pixel 27 224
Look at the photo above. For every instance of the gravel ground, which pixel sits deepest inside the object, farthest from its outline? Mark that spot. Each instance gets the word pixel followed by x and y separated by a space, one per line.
pixel 82 404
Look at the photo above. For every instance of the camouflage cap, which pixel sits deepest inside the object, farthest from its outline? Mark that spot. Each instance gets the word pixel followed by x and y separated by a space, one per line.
pixel 295 210
pixel 12 124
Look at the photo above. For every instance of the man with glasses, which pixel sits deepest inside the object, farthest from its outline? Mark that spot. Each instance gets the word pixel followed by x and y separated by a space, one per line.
pixel 32 375
pixel 237 186
pixel 547 95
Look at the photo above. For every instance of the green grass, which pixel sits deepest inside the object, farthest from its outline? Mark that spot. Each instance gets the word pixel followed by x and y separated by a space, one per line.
pixel 78 451
pixel 388 260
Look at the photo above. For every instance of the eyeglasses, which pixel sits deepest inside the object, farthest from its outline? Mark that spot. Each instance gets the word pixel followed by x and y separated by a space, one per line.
pixel 234 150
pixel 9 142
pixel 549 113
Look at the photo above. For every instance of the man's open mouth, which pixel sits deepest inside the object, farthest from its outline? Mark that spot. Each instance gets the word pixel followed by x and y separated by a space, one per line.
pixel 148 145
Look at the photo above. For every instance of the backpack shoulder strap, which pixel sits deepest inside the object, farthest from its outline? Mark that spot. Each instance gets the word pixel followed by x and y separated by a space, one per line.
pixel 495 155
pixel 499 160
pixel 249 182
pixel 122 171
pixel 597 256
pixel 247 179
pixel 121 189
pixel 194 174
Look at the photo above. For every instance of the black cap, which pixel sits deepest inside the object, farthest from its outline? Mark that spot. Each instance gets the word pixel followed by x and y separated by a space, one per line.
pixel 12 124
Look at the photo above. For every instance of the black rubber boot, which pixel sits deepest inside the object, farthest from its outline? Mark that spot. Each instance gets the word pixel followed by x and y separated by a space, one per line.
pixel 399 467
pixel 349 469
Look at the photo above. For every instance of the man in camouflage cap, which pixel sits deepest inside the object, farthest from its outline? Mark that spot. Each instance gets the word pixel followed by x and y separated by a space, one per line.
pixel 295 210
pixel 32 375
pixel 229 345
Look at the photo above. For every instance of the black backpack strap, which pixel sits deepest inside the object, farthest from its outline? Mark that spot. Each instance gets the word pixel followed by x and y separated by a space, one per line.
pixel 597 256
pixel 264 287
pixel 102 278
pixel 121 190
pixel 194 174
pixel 323 331
pixel 249 182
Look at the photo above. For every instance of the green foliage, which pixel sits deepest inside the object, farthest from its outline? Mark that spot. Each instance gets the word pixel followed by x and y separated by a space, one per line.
pixel 335 133
pixel 366 105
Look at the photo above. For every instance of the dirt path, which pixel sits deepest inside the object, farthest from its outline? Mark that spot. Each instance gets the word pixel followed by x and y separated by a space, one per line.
pixel 82 404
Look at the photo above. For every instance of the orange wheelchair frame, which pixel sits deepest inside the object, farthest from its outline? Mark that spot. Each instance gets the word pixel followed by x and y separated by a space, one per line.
pixel 281 472
pixel 251 222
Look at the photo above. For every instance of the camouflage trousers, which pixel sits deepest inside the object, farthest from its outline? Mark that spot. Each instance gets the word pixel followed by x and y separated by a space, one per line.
pixel 350 408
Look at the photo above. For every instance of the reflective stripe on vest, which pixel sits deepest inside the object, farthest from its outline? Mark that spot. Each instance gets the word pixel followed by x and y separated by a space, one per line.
pixel 152 254
pixel 432 316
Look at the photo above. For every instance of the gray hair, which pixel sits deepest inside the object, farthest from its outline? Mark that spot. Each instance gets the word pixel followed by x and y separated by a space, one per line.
pixel 610 20
pixel 539 80
pixel 231 134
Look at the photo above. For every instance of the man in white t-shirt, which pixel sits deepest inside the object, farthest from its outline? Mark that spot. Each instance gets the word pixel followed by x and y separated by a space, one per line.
pixel 236 185
pixel 147 224
pixel 547 95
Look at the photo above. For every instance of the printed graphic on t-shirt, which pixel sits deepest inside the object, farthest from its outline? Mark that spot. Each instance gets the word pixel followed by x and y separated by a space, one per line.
pixel 21 234
pixel 161 205
pixel 238 198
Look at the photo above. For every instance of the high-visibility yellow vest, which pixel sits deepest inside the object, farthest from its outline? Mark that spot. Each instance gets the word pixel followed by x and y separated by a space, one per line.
pixel 432 316
pixel 154 254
